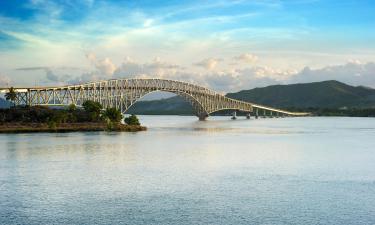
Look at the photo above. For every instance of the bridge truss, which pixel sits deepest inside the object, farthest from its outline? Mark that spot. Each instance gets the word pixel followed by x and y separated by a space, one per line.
pixel 123 93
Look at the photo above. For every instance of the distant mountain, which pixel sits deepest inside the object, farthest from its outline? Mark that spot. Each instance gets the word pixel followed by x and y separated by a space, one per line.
pixel 4 103
pixel 326 94
pixel 169 106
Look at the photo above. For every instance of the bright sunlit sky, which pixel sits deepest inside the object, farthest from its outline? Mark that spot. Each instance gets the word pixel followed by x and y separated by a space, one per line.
pixel 225 45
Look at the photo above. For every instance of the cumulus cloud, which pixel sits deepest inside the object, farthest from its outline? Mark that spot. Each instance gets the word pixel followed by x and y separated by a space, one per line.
pixel 157 68
pixel 246 58
pixel 103 66
pixel 209 63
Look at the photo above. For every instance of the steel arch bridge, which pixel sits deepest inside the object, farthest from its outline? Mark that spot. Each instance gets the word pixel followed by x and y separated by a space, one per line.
pixel 123 93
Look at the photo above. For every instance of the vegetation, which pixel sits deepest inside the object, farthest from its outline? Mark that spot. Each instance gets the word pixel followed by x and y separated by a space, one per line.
pixel 93 109
pixel 11 95
pixel 71 118
pixel 132 120
pixel 113 115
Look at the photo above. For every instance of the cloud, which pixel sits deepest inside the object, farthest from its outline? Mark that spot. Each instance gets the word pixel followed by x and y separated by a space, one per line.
pixel 104 66
pixel 222 80
pixel 246 58
pixel 157 68
pixel 4 81
pixel 353 72
pixel 209 63
pixel 50 74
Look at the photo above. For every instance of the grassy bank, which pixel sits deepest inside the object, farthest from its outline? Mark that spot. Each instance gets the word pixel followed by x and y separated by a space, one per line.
pixel 67 127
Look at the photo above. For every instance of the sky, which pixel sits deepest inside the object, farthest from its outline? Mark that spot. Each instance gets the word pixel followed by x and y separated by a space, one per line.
pixel 226 45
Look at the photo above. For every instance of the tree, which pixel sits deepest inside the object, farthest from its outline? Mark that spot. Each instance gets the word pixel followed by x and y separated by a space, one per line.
pixel 132 120
pixel 93 109
pixel 113 115
pixel 11 95
pixel 72 108
pixel 91 106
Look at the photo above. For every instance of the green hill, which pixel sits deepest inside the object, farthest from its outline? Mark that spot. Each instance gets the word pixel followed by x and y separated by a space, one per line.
pixel 325 94
pixel 169 106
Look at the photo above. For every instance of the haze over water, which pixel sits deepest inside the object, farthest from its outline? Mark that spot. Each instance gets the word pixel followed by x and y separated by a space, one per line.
pixel 182 171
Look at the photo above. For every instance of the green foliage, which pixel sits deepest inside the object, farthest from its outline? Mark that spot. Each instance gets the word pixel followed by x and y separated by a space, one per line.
pixel 91 106
pixel 72 108
pixel 93 109
pixel 52 124
pixel 11 95
pixel 132 120
pixel 113 115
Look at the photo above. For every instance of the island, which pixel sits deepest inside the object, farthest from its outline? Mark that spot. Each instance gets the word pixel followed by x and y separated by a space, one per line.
pixel 90 117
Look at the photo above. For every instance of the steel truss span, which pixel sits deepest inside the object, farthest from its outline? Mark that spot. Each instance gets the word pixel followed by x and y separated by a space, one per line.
pixel 123 93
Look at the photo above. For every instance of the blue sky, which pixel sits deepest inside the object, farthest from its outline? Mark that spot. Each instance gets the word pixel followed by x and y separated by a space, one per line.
pixel 223 44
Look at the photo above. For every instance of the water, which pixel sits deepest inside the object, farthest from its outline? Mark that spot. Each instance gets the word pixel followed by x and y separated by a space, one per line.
pixel 182 171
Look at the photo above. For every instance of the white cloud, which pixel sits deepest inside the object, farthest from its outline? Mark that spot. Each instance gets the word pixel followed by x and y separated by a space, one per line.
pixel 354 73
pixel 104 66
pixel 246 58
pixel 157 68
pixel 209 63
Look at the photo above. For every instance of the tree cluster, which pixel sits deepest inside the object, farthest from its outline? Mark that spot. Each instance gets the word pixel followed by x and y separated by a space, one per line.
pixel 91 112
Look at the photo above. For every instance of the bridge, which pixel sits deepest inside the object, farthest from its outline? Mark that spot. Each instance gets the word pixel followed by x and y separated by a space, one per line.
pixel 123 93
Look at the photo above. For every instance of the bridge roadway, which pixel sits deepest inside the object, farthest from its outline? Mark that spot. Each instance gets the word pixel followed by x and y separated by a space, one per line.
pixel 123 93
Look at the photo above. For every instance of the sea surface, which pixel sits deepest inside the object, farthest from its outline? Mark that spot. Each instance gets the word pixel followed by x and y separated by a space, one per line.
pixel 185 171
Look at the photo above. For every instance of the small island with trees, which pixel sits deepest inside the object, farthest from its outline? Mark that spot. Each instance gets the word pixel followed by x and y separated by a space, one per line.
pixel 90 117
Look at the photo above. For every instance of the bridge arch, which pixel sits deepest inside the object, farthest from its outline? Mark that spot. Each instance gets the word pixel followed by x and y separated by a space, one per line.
pixel 123 93
pixel 197 107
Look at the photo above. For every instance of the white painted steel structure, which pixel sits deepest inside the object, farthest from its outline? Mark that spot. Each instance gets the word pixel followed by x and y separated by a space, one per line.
pixel 123 93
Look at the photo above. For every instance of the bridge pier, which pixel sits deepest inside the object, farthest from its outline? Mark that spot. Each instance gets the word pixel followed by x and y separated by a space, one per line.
pixel 256 114
pixel 202 117
pixel 234 115
pixel 264 113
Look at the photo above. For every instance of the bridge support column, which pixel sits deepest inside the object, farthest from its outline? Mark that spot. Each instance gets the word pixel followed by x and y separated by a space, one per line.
pixel 202 117
pixel 234 115
pixel 256 114
pixel 271 116
pixel 248 115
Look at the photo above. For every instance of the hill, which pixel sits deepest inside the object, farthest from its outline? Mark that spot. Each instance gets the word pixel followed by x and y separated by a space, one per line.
pixel 169 106
pixel 325 94
pixel 4 103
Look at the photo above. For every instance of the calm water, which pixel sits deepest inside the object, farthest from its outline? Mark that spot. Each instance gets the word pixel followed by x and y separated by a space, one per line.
pixel 182 171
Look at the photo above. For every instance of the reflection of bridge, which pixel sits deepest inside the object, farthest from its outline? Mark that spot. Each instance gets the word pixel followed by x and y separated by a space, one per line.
pixel 123 93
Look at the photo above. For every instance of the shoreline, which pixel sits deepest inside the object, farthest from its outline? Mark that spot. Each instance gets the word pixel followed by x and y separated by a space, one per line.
pixel 67 127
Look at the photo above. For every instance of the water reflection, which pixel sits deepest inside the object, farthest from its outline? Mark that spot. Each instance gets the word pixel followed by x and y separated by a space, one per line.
pixel 181 171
